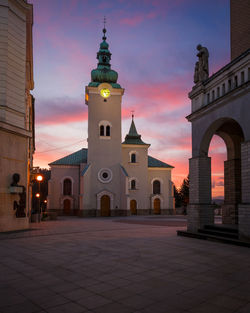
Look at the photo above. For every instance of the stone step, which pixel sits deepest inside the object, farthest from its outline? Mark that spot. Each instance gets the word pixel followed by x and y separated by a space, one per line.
pixel 223 228
pixel 213 238
pixel 219 233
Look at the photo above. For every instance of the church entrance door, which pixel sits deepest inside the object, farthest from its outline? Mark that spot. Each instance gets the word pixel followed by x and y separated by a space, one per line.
pixel 133 207
pixel 66 206
pixel 157 206
pixel 105 205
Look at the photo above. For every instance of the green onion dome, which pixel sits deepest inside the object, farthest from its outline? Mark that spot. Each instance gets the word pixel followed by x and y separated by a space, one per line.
pixel 103 72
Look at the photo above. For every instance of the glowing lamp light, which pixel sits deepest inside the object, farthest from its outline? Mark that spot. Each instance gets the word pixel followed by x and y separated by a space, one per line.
pixel 38 195
pixel 45 201
pixel 86 97
pixel 39 178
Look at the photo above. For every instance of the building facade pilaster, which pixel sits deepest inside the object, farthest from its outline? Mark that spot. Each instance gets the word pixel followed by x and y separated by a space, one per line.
pixel 200 211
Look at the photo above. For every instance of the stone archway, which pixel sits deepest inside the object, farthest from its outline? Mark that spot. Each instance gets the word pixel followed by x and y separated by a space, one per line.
pixel 231 133
pixel 133 207
pixel 200 210
pixel 105 205
pixel 220 105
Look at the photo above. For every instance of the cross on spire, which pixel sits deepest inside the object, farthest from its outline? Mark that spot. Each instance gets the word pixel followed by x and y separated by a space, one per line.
pixel 132 111
pixel 104 28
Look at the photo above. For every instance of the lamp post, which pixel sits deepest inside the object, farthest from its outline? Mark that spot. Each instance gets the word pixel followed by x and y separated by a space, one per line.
pixel 39 179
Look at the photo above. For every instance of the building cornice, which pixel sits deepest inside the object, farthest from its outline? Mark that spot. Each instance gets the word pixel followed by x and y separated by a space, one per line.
pixel 125 145
pixel 160 168
pixel 219 102
pixel 15 130
pixel 64 166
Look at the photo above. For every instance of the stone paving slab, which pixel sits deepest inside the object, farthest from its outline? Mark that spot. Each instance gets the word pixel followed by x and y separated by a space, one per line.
pixel 98 265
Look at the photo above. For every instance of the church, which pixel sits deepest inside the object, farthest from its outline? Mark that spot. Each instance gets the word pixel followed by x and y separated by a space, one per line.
pixel 111 177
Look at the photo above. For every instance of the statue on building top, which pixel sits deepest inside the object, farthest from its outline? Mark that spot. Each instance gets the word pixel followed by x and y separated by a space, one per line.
pixel 201 71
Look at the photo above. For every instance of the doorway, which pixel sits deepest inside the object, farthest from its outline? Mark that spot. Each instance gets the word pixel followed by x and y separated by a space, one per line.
pixel 105 205
pixel 157 206
pixel 133 207
pixel 66 207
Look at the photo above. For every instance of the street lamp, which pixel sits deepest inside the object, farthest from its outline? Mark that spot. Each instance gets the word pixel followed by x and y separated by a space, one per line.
pixel 39 179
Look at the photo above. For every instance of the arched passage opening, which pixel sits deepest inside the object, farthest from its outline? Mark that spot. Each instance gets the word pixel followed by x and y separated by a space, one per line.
pixel 232 135
pixel 218 154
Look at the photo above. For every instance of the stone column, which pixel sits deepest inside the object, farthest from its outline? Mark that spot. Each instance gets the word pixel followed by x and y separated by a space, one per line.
pixel 244 207
pixel 232 187
pixel 200 211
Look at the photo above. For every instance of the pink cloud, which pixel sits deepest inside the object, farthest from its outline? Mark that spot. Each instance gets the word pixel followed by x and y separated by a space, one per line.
pixel 60 111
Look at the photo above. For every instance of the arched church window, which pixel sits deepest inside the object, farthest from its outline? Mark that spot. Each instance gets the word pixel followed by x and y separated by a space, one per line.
pixel 156 187
pixel 107 130
pixel 133 158
pixel 133 184
pixel 101 130
pixel 67 187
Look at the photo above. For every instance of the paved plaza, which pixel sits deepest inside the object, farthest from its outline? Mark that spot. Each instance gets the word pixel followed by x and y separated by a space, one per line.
pixel 120 265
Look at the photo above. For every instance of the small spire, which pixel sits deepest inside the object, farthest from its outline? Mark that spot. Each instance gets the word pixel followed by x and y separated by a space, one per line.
pixel 133 137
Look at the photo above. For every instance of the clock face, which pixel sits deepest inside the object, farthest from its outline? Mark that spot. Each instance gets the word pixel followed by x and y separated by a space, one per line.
pixel 105 92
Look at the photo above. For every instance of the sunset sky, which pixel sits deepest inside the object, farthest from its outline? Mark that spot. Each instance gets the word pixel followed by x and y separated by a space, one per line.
pixel 153 45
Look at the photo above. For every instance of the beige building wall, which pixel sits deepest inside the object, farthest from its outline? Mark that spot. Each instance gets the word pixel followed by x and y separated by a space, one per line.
pixel 16 108
pixel 56 195
pixel 166 195
pixel 137 171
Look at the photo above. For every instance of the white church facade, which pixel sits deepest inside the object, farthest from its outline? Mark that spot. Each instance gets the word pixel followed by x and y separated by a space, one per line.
pixel 111 177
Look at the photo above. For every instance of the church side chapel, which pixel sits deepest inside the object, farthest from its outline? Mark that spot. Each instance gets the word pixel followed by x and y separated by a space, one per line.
pixel 111 177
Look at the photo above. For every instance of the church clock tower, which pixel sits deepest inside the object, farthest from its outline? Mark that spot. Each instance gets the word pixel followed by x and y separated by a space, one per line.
pixel 103 96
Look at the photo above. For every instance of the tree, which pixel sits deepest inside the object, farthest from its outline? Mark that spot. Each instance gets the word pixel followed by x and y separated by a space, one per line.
pixel 184 192
pixel 177 197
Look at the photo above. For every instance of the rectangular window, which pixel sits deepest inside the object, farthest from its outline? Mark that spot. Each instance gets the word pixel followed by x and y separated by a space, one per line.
pixel 229 84
pixel 223 89
pixel 235 81
pixel 242 77
pixel 208 98
pixel 213 96
pixel 218 92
